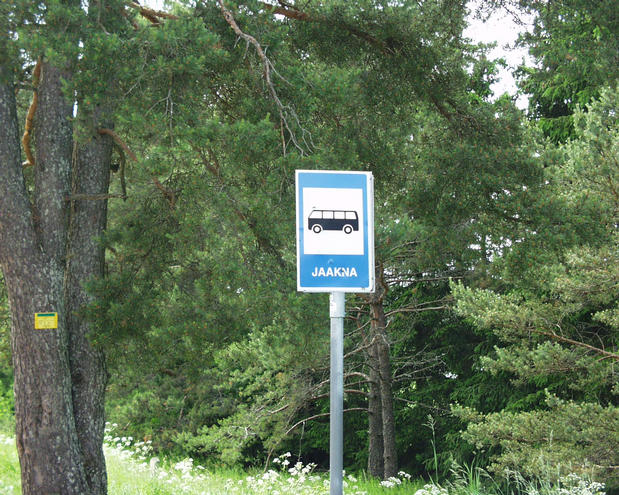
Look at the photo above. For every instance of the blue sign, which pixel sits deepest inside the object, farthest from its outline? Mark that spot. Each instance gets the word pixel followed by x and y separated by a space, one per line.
pixel 335 231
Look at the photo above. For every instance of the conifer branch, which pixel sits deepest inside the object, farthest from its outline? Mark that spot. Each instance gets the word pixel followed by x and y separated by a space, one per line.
pixel 291 12
pixel 36 75
pixel 118 141
pixel 284 112
pixel 288 11
pixel 154 16
pixel 560 338
pixel 169 195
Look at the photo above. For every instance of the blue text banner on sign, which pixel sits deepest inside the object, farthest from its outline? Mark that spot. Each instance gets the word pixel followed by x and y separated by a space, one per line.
pixel 335 231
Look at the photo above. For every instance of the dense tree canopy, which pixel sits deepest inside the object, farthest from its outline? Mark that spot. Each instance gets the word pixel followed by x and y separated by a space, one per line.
pixel 171 200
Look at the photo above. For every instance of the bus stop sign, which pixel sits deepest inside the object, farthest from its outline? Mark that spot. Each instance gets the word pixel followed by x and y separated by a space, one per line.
pixel 335 231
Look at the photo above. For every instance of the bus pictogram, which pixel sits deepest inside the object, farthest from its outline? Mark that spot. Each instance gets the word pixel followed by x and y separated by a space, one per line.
pixel 344 220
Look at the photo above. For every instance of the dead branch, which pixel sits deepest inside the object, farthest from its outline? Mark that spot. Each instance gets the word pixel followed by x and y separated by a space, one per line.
pixel 321 415
pixel 361 348
pixel 25 140
pixel 93 197
pixel 346 391
pixel 366 379
pixel 118 141
pixel 289 12
pixel 121 172
pixel 283 408
pixel 154 16
pixel 436 305
pixel 416 309
pixel 169 195
pixel 284 112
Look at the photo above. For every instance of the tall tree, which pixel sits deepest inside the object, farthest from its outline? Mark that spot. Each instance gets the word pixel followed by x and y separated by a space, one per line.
pixel 556 315
pixel 356 86
pixel 52 220
pixel 574 44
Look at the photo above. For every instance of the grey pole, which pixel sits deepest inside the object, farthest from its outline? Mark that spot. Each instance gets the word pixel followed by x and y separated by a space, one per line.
pixel 337 301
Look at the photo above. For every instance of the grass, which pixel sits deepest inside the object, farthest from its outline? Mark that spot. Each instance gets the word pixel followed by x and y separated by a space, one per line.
pixel 131 472
pixel 9 467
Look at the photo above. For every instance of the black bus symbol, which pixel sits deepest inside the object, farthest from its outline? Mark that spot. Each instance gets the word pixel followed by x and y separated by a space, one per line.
pixel 344 220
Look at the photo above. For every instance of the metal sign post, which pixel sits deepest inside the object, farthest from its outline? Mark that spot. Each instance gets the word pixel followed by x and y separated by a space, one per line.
pixel 336 398
pixel 335 254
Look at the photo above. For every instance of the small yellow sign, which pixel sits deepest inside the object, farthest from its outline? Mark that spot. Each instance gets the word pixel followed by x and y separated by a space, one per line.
pixel 45 321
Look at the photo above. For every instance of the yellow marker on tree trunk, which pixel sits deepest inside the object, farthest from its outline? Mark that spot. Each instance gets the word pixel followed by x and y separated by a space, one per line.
pixel 45 321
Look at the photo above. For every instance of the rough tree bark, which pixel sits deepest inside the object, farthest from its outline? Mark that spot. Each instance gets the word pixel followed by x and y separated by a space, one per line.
pixel 91 176
pixel 382 455
pixel 390 460
pixel 375 418
pixel 32 256
pixel 59 378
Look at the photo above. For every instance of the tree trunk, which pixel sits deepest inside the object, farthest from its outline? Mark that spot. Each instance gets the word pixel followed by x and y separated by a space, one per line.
pixel 91 176
pixel 32 260
pixel 375 419
pixel 390 461
pixel 383 365
pixel 382 455
pixel 59 378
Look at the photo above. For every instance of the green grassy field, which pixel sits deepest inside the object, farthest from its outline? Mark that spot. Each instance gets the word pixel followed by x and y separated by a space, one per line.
pixel 133 471
pixel 130 472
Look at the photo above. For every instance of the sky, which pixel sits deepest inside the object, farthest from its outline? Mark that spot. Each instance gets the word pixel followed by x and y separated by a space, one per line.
pixel 500 28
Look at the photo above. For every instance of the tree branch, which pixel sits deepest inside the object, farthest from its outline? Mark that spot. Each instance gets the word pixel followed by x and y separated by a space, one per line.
pixel 577 343
pixel 346 391
pixel 284 112
pixel 118 141
pixel 94 197
pixel 154 16
pixel 169 195
pixel 290 12
pixel 321 415
pixel 25 140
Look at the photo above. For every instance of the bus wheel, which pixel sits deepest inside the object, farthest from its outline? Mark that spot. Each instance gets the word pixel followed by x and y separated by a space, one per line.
pixel 347 229
pixel 317 229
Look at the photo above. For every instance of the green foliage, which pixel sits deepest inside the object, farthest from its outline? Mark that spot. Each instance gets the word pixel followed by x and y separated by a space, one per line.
pixel 7 421
pixel 212 352
pixel 9 466
pixel 574 43
pixel 567 437
pixel 561 335
pixel 448 371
